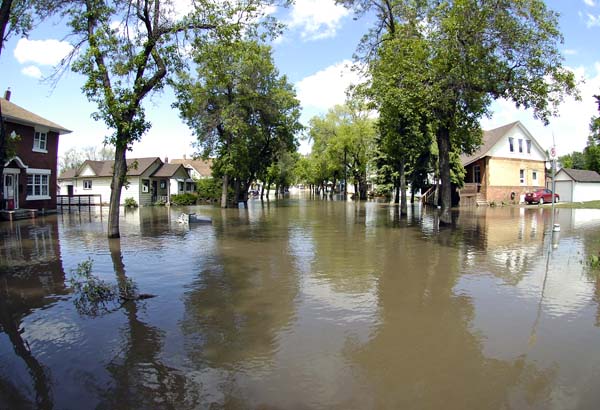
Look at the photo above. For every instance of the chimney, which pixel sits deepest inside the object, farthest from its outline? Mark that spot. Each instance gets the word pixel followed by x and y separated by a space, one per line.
pixel 166 160
pixel 184 156
pixel 7 94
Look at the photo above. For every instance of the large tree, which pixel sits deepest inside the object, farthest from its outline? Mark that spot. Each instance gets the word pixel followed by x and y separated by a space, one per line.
pixel 126 49
pixel 344 138
pixel 242 111
pixel 477 51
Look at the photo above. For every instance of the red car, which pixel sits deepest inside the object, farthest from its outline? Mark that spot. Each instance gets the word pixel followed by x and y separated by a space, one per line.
pixel 541 196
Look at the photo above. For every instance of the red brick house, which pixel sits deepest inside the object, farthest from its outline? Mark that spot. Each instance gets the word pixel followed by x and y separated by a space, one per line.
pixel 30 175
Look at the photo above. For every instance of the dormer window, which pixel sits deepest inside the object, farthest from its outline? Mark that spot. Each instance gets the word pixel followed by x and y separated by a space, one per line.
pixel 511 144
pixel 529 146
pixel 40 142
pixel 520 145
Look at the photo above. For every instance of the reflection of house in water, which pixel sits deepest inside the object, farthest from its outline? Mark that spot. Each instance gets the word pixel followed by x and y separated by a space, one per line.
pixel 505 242
pixel 31 277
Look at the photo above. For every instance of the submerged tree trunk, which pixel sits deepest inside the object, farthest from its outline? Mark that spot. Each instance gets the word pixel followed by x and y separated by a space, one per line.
pixel 396 192
pixel 403 206
pixel 362 187
pixel 224 191
pixel 443 141
pixel 118 179
pixel 262 191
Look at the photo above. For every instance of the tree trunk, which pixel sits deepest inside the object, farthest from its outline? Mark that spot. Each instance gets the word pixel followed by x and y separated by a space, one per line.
pixel 443 141
pixel 403 207
pixel 396 192
pixel 362 187
pixel 262 191
pixel 224 191
pixel 119 175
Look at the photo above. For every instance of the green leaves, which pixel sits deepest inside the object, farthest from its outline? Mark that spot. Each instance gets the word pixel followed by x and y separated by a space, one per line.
pixel 243 112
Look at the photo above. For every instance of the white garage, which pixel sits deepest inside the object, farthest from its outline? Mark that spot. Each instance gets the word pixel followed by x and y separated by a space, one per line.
pixel 577 185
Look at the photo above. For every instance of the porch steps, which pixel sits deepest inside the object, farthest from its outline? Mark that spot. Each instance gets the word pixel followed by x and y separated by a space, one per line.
pixel 481 201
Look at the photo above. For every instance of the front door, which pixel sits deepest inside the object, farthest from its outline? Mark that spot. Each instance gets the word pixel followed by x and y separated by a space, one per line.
pixel 11 195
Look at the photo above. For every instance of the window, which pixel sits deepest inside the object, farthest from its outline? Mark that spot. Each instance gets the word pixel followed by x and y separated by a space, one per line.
pixel 190 186
pixel 520 145
pixel 163 184
pixel 38 184
pixel 87 184
pixel 145 185
pixel 40 142
pixel 522 176
pixel 534 177
pixel 180 186
pixel 511 144
pixel 529 146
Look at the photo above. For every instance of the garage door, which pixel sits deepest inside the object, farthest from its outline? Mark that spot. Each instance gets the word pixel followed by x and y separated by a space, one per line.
pixel 564 189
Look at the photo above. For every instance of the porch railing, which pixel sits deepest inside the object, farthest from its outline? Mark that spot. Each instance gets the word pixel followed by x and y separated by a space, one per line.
pixel 78 201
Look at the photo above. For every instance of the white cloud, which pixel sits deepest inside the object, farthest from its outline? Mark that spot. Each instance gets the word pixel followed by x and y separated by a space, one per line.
pixel 42 52
pixel 570 52
pixel 327 87
pixel 590 3
pixel 32 71
pixel 317 19
pixel 570 129
pixel 592 21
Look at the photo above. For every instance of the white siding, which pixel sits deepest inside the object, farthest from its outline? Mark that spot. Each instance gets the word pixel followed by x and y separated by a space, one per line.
pixel 586 191
pixel 132 190
pixel 502 147
pixel 99 186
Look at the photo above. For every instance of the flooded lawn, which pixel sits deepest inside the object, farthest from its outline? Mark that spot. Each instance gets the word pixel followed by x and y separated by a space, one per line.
pixel 305 305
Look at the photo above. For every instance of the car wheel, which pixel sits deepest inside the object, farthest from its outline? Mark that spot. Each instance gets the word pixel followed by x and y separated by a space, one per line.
pixel 541 201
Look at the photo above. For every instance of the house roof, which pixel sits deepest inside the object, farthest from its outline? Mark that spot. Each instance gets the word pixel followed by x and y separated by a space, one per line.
pixel 203 167
pixel 581 175
pixel 105 168
pixel 489 140
pixel 68 174
pixel 167 170
pixel 14 113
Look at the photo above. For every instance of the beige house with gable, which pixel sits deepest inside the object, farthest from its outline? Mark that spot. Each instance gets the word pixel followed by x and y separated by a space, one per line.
pixel 509 163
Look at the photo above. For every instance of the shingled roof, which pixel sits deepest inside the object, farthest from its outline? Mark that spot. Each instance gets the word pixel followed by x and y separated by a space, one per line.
pixel 203 167
pixel 168 170
pixel 582 175
pixel 105 168
pixel 14 113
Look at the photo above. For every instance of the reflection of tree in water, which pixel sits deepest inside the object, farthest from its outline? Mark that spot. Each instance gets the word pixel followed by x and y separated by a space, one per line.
pixel 140 379
pixel 425 354
pixel 242 297
pixel 32 278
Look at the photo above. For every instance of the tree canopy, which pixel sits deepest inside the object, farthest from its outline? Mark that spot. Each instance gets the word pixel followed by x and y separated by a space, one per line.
pixel 242 111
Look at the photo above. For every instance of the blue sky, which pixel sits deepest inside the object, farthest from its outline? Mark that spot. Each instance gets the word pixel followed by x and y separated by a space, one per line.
pixel 315 53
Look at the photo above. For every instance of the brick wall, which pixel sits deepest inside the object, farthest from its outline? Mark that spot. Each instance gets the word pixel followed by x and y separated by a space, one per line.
pixel 38 160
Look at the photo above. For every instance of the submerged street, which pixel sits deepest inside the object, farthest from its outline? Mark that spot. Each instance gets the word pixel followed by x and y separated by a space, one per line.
pixel 305 304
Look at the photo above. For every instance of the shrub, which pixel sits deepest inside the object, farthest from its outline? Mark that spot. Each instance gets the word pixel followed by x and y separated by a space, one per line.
pixel 184 199
pixel 130 203
pixel 209 189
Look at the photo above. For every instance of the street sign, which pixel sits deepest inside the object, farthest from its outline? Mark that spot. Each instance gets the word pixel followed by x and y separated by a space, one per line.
pixel 553 152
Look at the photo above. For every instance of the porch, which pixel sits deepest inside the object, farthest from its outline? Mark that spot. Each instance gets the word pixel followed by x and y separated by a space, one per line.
pixel 472 194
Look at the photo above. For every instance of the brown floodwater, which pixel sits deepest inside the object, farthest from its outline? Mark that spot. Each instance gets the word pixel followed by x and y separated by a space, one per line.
pixel 302 304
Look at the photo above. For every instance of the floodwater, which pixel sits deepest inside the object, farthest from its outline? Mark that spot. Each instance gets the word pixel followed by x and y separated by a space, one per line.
pixel 302 304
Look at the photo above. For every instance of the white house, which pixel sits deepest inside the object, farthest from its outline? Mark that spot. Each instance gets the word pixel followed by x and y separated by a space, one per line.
pixel 577 185
pixel 148 180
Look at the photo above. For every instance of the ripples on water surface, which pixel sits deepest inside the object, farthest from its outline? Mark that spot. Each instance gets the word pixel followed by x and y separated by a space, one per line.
pixel 306 304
